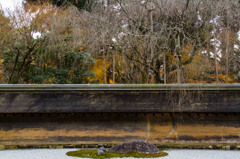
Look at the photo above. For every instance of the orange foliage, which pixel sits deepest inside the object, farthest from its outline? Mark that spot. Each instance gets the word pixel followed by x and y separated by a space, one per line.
pixel 98 69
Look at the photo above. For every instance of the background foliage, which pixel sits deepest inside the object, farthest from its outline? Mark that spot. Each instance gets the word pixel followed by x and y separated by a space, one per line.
pixel 121 41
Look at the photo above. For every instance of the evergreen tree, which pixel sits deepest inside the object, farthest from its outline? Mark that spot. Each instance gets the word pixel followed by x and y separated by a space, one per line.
pixel 80 4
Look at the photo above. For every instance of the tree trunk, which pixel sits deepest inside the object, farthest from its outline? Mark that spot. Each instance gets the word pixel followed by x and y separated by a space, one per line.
pixel 164 68
pixel 178 71
pixel 113 67
pixel 105 71
pixel 227 56
pixel 152 48
pixel 178 61
pixel 14 67
pixel 216 62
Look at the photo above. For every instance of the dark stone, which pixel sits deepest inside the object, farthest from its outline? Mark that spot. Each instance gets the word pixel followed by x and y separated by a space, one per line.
pixel 138 146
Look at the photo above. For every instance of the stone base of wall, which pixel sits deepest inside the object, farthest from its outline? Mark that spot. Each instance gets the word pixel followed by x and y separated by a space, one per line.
pixel 211 146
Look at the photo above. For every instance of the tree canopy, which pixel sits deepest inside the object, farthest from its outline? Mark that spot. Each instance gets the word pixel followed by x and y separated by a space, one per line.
pixel 121 41
pixel 80 4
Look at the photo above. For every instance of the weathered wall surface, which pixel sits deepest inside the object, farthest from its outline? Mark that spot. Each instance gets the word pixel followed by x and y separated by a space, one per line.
pixel 189 116
pixel 113 99
pixel 165 128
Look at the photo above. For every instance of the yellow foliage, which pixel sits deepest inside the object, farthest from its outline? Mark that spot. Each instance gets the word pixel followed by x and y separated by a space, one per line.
pixel 110 81
pixel 69 72
pixel 50 80
pixel 186 53
pixel 98 69
pixel 223 78
pixel 81 48
pixel 83 31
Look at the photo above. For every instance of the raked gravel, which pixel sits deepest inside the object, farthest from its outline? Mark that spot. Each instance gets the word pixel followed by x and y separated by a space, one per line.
pixel 172 154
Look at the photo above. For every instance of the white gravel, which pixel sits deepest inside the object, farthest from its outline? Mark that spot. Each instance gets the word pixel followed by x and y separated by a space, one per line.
pixel 172 154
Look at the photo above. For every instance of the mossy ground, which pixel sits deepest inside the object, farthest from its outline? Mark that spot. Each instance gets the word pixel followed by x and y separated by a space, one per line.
pixel 91 153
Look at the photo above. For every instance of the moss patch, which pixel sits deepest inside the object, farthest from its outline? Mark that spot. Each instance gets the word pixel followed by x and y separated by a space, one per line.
pixel 91 153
